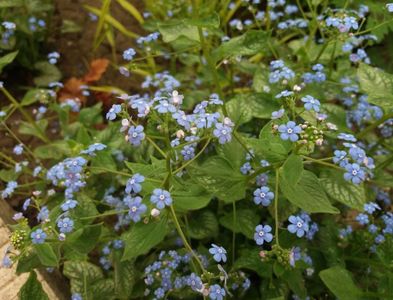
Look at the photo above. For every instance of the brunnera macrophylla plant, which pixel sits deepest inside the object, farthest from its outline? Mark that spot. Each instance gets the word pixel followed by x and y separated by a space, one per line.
pixel 254 164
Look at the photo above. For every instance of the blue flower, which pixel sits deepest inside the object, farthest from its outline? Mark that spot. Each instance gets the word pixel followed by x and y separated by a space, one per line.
pixel 276 64
pixel 362 219
pixel 314 228
pixel 223 133
pixel 113 111
pixel 26 204
pixel 65 225
pixel 379 239
pixel 246 168
pixel 289 131
pixel 129 54
pixel 310 103
pixel 372 228
pixel 53 57
pixel 278 114
pixel 161 198
pixel 389 7
pixel 188 152
pixel 136 135
pixel 43 214
pixel 164 106
pixel 354 173
pixel 346 137
pixel 298 226
pixel 159 293
pixel 371 207
pixel 219 253
pixel 263 196
pixel 285 93
pixel 133 184
pixel 18 149
pixel 262 234
pixel 93 148
pixel 137 208
pixel 68 204
pixel 339 158
pixel 216 292
pixel 38 236
pixel 10 188
pixel 76 296
pixel 195 282
pixel 118 244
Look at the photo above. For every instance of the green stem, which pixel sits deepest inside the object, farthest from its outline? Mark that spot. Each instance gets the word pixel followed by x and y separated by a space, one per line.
pixel 194 158
pixel 25 114
pixel 184 239
pixel 234 232
pixel 276 207
pixel 105 214
pixel 322 163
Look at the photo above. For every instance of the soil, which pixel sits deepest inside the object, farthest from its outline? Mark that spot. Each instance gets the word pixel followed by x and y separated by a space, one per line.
pixel 76 48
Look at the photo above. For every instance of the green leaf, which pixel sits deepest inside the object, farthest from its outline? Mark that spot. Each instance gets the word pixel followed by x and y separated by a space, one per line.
pixel 7 59
pixel 32 289
pixel 343 191
pixel 84 239
pixel 8 175
pixel 295 282
pixel 83 136
pixel 27 262
pixel 340 283
pixel 203 225
pixel 125 276
pixel 212 21
pixel 90 116
pixel 250 43
pixel 69 26
pixel 174 29
pixel 46 255
pixel 29 129
pixel 250 260
pixel 48 73
pixel 270 146
pixel 103 289
pixel 378 85
pixel 218 177
pixel 11 3
pixel 233 153
pixel 102 162
pixel 292 169
pixel 33 96
pixel 55 150
pixel 143 237
pixel 261 79
pixel 157 168
pixel 243 107
pixel 188 196
pixel 307 194
pixel 246 221
pixel 85 208
pixel 82 274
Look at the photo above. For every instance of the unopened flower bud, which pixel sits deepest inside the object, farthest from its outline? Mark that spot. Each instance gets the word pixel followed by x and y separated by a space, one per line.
pixel 36 193
pixel 155 212
pixel 180 134
pixel 319 142
pixel 62 237
pixel 297 88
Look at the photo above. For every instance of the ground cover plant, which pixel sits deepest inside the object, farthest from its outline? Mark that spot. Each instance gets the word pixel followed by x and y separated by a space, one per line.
pixel 254 161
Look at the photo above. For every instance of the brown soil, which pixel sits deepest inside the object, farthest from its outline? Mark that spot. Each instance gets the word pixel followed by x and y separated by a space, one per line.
pixel 76 48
